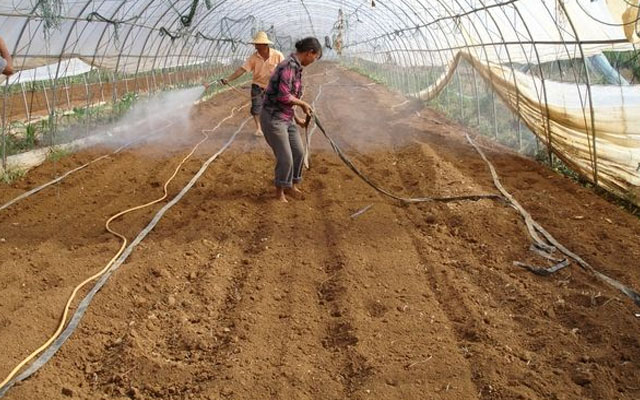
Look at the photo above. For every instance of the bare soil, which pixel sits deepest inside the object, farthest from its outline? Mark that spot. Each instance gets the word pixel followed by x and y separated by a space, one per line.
pixel 237 296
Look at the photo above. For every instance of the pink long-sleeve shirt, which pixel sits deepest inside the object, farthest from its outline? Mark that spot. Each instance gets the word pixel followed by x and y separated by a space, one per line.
pixel 284 85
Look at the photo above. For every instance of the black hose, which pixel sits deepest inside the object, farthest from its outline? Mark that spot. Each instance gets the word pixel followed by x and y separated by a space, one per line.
pixel 347 161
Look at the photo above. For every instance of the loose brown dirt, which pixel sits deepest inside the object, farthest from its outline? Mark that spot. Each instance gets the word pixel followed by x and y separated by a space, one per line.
pixel 236 296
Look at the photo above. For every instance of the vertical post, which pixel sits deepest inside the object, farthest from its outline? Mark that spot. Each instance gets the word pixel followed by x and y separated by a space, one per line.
pixel 155 82
pixel 46 98
pixel 136 87
pixel 66 89
pixel 4 126
pixel 166 76
pixel 53 122
pixel 519 122
pixel 446 99
pixel 101 86
pixel 186 73
pixel 146 78
pixel 26 104
pixel 116 95
pixel 546 115
pixel 460 96
pixel 88 96
pixel 475 89
pixel 495 117
pixel 86 90
pixel 114 87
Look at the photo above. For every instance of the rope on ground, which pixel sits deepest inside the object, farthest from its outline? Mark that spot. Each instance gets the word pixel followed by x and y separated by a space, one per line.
pixel 361 211
pixel 347 161
pixel 66 174
pixel 393 108
pixel 535 230
pixel 544 271
pixel 8 382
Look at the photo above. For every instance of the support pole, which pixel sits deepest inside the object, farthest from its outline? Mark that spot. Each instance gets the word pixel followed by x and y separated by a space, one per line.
pixel 66 90
pixel 475 89
pixel 495 117
pixel 27 112
pixel 4 125
pixel 461 117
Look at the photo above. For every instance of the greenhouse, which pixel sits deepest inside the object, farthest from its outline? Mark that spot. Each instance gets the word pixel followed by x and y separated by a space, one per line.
pixel 457 193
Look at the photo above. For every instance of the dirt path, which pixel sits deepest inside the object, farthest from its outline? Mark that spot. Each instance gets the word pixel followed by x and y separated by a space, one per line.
pixel 235 296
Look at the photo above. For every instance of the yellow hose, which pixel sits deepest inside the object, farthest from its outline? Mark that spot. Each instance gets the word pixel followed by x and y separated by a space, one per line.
pixel 63 319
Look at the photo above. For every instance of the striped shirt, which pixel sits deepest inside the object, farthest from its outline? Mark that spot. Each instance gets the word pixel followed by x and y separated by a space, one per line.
pixel 284 85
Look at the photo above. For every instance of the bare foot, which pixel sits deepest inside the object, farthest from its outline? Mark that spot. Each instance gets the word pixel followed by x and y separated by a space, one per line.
pixel 258 133
pixel 280 195
pixel 295 192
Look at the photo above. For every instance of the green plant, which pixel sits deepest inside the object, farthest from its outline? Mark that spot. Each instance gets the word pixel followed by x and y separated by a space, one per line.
pixel 30 136
pixel 57 153
pixel 11 175
pixel 629 60
pixel 125 103
pixel 80 112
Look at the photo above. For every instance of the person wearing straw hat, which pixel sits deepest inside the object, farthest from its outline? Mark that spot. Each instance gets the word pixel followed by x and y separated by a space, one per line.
pixel 6 64
pixel 261 64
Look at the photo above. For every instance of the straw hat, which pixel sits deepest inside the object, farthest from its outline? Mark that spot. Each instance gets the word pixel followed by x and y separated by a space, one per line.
pixel 261 38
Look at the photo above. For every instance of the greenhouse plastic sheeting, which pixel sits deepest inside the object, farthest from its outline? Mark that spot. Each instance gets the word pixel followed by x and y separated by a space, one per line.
pixel 133 36
pixel 612 156
pixel 63 69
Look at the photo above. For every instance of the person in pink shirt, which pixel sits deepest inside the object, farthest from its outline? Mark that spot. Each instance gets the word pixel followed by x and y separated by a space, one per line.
pixel 278 119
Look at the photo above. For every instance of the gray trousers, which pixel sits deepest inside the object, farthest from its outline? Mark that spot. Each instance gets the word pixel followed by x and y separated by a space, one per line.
pixel 257 95
pixel 285 141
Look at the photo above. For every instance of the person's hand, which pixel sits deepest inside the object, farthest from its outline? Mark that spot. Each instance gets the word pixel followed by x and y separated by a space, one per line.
pixel 224 81
pixel 306 107
pixel 206 85
pixel 303 123
pixel 8 70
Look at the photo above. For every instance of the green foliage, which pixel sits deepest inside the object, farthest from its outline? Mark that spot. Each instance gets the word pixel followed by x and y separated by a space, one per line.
pixel 625 60
pixel 30 136
pixel 365 72
pixel 125 103
pixel 20 143
pixel 57 153
pixel 80 112
pixel 78 122
pixel 563 169
pixel 12 175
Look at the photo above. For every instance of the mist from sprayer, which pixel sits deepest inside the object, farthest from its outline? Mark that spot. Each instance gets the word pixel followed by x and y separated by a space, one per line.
pixel 163 118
